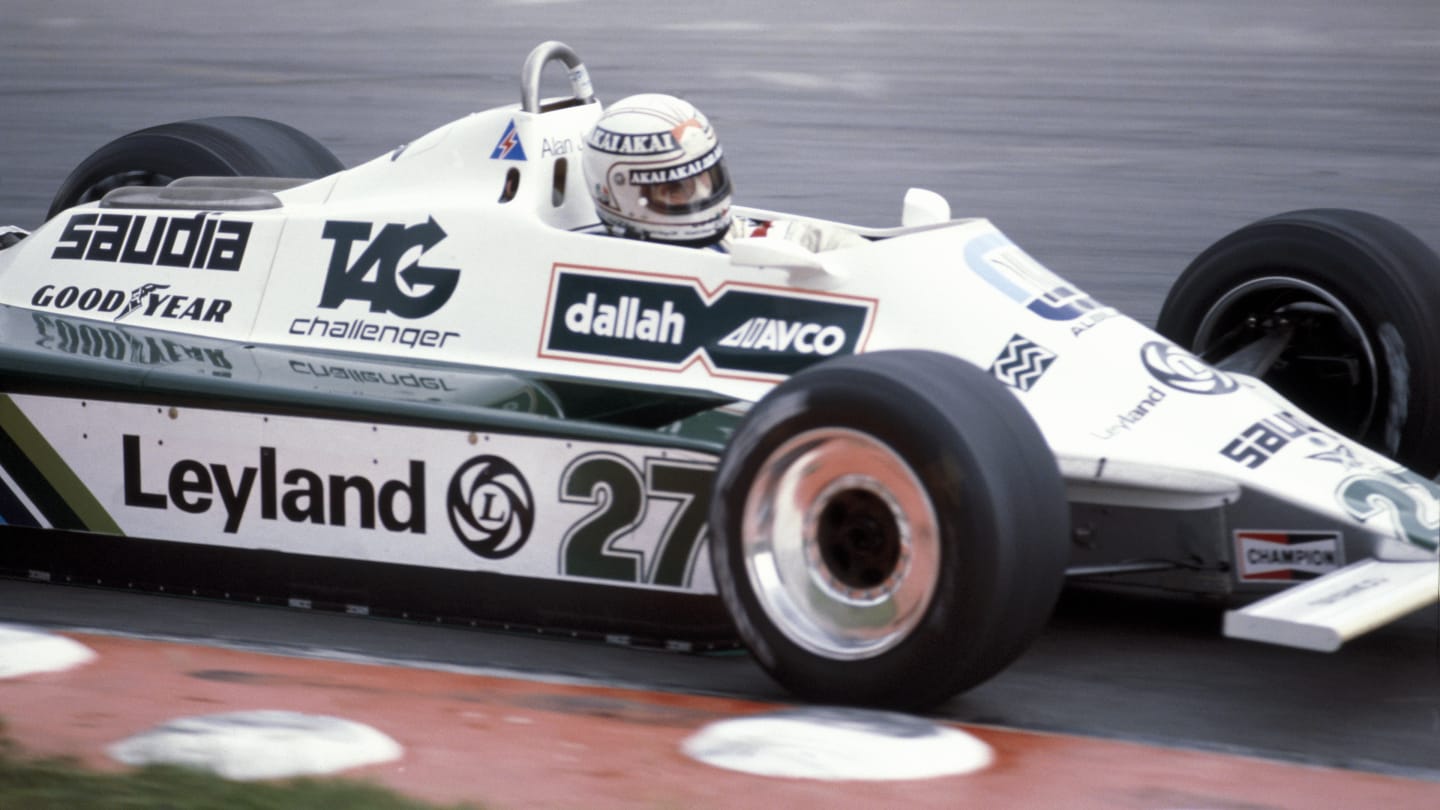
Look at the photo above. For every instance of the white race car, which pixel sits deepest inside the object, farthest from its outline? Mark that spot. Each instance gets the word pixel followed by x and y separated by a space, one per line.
pixel 428 386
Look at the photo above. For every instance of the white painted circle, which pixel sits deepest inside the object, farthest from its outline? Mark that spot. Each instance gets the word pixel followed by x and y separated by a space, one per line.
pixel 24 651
pixel 259 745
pixel 838 744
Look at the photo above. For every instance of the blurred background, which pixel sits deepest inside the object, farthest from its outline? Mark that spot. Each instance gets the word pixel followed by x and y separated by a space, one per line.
pixel 1114 139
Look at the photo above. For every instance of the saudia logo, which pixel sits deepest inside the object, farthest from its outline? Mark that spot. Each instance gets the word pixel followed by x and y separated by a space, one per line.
pixel 201 241
pixel 297 495
pixel 635 318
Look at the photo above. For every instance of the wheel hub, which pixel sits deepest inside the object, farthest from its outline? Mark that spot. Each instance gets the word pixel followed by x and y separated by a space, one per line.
pixel 841 543
pixel 858 537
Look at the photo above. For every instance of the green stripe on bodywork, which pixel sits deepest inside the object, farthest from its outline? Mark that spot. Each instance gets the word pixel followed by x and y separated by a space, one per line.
pixel 53 469
pixel 33 485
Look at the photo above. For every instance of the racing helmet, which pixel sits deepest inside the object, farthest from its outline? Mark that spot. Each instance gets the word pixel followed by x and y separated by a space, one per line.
pixel 656 171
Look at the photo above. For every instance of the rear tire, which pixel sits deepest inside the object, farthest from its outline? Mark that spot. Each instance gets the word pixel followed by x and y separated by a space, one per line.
pixel 232 146
pixel 888 529
pixel 1357 295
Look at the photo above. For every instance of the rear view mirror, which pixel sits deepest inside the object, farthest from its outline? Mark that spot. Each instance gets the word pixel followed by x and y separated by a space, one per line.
pixel 924 207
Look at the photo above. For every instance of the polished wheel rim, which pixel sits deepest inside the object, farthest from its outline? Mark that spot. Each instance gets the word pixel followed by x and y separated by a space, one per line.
pixel 1328 366
pixel 841 543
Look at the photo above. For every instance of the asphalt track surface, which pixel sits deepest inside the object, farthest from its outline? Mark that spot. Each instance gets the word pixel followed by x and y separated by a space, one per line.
pixel 1114 140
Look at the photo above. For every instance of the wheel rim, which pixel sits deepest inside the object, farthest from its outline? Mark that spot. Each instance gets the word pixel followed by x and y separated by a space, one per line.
pixel 841 543
pixel 1329 367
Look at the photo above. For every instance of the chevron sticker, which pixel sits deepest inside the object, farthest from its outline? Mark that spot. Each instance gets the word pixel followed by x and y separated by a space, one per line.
pixel 1021 363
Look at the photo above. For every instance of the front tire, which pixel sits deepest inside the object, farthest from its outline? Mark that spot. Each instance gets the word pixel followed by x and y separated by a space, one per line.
pixel 888 529
pixel 228 146
pixel 1343 304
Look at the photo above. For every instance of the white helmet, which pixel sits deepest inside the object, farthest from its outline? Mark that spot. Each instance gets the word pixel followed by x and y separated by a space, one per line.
pixel 655 170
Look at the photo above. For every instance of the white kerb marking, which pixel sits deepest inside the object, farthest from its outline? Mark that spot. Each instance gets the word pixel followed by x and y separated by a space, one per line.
pixel 259 745
pixel 838 744
pixel 25 652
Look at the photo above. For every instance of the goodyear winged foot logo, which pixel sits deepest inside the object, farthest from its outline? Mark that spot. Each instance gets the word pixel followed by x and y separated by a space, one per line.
pixel 672 322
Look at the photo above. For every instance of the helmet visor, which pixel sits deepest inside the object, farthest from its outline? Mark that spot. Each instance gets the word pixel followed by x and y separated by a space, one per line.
pixel 684 195
pixel 689 195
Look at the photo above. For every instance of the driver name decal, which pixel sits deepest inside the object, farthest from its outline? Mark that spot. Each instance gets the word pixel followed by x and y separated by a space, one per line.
pixel 674 322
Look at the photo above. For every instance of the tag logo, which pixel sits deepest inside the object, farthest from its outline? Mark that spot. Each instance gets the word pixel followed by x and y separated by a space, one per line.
pixel 413 292
pixel 509 146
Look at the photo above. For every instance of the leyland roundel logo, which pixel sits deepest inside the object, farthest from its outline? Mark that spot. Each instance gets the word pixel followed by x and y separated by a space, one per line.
pixel 672 322
pixel 491 508
pixel 1183 371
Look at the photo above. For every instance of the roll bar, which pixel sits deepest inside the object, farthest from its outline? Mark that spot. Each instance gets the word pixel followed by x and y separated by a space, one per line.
pixel 542 55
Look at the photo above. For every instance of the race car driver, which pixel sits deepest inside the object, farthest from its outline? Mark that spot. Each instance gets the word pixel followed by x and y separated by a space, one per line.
pixel 656 171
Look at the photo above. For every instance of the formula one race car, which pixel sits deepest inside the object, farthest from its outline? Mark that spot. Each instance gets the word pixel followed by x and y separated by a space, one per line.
pixel 426 386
